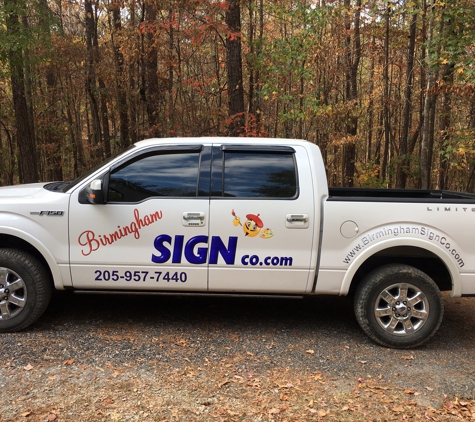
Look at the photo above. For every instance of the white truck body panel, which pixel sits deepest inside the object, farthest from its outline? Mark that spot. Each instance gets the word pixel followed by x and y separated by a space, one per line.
pixel 383 225
pixel 71 244
pixel 238 216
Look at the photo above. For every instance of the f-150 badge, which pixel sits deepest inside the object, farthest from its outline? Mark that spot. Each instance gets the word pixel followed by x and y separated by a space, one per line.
pixel 48 213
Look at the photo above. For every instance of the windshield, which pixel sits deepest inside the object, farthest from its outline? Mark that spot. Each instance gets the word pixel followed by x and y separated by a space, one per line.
pixel 71 184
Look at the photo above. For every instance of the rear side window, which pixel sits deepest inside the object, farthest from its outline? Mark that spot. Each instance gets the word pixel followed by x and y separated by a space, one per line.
pixel 159 175
pixel 259 175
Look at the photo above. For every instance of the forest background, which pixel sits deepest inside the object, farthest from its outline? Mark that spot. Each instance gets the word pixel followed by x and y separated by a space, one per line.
pixel 386 88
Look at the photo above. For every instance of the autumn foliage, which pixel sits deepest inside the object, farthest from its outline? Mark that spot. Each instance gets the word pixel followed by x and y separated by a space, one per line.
pixel 386 89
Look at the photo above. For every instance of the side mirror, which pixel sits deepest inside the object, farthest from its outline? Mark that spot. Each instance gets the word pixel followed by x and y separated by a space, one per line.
pixel 94 192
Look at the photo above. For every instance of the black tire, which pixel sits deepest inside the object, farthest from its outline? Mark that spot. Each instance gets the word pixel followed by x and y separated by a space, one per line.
pixel 25 289
pixel 398 306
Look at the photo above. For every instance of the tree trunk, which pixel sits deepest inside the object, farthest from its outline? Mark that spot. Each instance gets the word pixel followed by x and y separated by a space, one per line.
pixel 386 117
pixel 90 74
pixel 369 144
pixel 234 68
pixel 25 137
pixel 428 127
pixel 54 168
pixel 6 157
pixel 132 83
pixel 171 77
pixel 403 164
pixel 152 88
pixel 120 79
pixel 353 56
pixel 257 80
pixel 444 125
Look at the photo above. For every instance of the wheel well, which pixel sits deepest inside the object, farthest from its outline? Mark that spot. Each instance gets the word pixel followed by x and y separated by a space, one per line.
pixel 8 241
pixel 419 258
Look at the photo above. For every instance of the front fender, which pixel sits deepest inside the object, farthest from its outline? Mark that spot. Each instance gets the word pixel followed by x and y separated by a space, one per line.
pixel 60 279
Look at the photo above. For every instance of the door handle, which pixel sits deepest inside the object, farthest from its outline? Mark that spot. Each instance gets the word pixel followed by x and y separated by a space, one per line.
pixel 297 217
pixel 296 221
pixel 193 219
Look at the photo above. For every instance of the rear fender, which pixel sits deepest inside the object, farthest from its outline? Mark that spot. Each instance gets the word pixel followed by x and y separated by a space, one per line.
pixel 444 256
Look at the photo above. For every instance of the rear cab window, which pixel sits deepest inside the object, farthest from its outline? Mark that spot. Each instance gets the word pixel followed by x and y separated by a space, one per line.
pixel 254 172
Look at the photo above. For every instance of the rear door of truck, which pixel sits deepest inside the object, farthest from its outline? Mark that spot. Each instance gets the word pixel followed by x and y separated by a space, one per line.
pixel 261 219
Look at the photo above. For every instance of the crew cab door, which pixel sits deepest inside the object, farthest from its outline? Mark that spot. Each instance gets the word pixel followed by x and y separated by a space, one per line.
pixel 146 235
pixel 262 219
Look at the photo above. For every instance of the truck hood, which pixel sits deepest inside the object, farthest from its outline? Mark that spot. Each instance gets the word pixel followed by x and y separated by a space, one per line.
pixel 14 198
pixel 29 191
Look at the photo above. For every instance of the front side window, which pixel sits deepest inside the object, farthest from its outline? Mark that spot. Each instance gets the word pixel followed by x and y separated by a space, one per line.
pixel 158 175
pixel 259 174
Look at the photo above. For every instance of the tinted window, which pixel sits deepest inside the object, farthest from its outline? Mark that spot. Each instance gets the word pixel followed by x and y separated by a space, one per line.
pixel 155 175
pixel 259 174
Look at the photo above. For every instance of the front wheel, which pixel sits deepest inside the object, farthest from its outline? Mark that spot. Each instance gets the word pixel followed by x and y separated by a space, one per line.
pixel 25 289
pixel 399 306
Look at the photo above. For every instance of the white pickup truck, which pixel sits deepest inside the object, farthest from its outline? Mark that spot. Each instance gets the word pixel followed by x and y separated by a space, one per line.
pixel 239 216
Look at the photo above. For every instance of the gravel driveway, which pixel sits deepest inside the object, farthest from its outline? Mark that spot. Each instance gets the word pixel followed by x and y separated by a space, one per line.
pixel 95 357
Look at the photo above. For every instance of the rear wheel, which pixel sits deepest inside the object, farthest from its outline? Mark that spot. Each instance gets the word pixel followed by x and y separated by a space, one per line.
pixel 25 290
pixel 399 306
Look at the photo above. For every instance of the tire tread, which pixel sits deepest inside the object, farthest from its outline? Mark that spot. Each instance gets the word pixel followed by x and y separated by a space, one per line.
pixel 366 290
pixel 43 285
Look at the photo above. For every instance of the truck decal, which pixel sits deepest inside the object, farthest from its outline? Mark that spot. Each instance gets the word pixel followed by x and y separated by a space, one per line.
pixel 253 226
pixel 217 247
pixel 195 251
pixel 274 261
pixel 92 242
pixel 401 230
pixel 139 276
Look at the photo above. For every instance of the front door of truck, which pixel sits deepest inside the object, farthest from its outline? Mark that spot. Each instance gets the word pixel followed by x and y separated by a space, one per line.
pixel 261 219
pixel 151 233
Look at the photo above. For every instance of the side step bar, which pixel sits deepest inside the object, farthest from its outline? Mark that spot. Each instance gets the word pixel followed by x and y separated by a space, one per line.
pixel 196 294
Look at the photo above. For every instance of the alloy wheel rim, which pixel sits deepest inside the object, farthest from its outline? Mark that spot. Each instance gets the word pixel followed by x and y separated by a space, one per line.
pixel 401 309
pixel 13 294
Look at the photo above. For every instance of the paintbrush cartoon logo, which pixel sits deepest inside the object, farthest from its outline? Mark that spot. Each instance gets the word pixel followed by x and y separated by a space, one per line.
pixel 253 226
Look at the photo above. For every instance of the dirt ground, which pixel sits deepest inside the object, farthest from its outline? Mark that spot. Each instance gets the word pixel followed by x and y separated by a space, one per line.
pixel 137 358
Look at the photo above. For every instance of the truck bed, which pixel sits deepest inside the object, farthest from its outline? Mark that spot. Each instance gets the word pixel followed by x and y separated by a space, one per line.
pixel 399 195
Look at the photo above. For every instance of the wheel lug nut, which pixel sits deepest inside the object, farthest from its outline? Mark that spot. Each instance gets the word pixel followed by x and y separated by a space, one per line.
pixel 405 303
pixel 394 309
pixel 398 303
pixel 7 291
pixel 408 309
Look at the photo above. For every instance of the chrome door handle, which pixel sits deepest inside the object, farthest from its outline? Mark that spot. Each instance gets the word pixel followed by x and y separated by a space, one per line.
pixel 296 221
pixel 193 216
pixel 193 219
pixel 297 217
